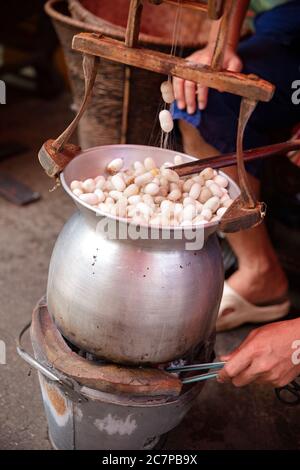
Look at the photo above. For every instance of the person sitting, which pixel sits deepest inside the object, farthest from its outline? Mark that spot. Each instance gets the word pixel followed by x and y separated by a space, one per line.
pixel 258 290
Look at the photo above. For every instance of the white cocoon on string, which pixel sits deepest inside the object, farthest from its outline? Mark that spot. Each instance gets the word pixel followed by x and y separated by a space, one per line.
pixel 166 120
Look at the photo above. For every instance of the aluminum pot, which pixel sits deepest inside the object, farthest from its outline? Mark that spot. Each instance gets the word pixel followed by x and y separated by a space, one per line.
pixel 132 300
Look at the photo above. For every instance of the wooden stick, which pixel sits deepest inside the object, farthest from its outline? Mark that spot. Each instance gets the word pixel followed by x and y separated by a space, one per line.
pixel 126 102
pixel 229 159
pixel 193 5
pixel 133 23
pixel 131 40
pixel 220 47
pixel 249 86
pixel 215 9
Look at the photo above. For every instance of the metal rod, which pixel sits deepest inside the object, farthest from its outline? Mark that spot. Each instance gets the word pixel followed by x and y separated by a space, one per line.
pixel 68 385
pixel 191 367
pixel 199 378
pixel 31 361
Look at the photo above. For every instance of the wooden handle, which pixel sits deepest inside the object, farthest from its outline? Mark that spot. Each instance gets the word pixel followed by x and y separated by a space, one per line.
pixel 229 159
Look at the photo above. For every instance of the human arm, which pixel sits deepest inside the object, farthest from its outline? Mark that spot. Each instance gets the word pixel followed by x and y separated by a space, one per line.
pixel 269 355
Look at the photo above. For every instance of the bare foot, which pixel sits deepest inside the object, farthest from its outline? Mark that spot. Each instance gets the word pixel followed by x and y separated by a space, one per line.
pixel 261 284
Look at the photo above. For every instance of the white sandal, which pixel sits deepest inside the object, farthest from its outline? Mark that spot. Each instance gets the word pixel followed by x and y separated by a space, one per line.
pixel 241 311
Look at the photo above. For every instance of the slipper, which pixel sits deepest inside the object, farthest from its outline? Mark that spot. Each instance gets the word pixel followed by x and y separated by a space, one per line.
pixel 241 311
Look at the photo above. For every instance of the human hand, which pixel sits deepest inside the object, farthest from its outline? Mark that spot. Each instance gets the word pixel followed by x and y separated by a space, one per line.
pixel 185 91
pixel 269 355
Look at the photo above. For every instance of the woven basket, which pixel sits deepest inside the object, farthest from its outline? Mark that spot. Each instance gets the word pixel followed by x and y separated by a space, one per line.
pixel 102 121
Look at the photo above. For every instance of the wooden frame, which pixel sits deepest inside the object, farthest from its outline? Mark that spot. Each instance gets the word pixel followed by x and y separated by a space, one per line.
pixel 249 86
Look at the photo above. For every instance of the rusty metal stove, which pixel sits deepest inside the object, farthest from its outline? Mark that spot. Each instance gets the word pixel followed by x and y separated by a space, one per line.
pixel 95 405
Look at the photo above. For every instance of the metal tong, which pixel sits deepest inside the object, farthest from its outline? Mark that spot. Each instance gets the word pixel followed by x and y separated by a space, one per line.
pixel 288 395
pixel 196 367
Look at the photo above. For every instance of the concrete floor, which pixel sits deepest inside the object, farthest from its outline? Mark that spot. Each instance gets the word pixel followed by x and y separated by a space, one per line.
pixel 223 418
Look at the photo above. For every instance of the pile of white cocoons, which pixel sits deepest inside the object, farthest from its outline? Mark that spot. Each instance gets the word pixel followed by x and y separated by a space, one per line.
pixel 147 195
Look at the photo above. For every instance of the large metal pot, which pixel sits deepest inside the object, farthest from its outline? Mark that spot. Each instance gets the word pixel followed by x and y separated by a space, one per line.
pixel 132 301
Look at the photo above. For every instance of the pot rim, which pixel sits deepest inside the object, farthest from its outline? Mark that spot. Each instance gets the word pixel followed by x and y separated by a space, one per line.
pixel 177 229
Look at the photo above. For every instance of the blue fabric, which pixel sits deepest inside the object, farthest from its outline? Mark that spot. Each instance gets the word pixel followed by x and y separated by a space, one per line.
pixel 272 53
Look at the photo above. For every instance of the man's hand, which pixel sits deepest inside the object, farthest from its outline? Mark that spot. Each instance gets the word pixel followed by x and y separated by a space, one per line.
pixel 269 355
pixel 185 91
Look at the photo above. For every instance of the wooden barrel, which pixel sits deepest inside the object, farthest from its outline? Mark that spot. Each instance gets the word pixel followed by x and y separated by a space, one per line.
pixel 102 123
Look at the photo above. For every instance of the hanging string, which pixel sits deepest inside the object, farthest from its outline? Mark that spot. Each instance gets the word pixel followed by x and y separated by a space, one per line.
pixel 154 139
pixel 175 29
pixel 165 136
pixel 166 140
pixel 161 106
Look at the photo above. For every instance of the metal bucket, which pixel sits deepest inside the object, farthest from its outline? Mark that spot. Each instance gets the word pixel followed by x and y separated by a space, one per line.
pixel 100 421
